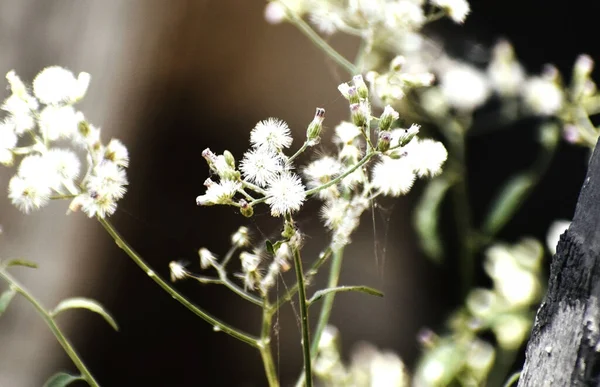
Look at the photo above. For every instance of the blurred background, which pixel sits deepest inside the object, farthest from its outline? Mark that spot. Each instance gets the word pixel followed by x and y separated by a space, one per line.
pixel 170 78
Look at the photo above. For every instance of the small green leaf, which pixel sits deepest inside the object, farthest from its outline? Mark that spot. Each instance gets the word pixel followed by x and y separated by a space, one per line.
pixel 427 215
pixel 20 262
pixel 269 246
pixel 513 379
pixel 61 379
pixel 507 202
pixel 85 303
pixel 363 289
pixel 5 299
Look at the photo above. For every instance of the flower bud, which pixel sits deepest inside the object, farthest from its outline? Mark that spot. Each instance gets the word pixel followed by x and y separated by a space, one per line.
pixel 246 209
pixel 387 118
pixel 314 128
pixel 361 86
pixel 385 138
pixel 229 159
pixel 397 63
pixel 583 66
pixel 358 113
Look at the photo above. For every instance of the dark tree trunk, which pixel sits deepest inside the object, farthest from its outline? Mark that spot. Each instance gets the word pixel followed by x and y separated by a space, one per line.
pixel 565 342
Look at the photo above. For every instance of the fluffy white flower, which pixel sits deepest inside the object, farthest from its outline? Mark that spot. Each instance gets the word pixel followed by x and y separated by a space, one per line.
pixel 249 261
pixel 426 156
pixel 94 203
pixel 28 194
pixel 261 165
pixel 8 140
pixel 322 171
pixel 271 133
pixel 36 168
pixel 464 87
pixel 346 132
pixel 543 96
pixel 285 194
pixel 393 177
pixel 457 9
pixel 58 122
pixel 241 237
pixel 333 212
pixel 274 12
pixel 218 193
pixel 21 114
pixel 177 271
pixel 65 165
pixel 506 74
pixel 207 258
pixel 117 153
pixel 403 14
pixel 54 85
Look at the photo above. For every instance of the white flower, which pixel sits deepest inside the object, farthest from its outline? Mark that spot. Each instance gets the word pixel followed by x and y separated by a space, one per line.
pixel 275 12
pixel 241 237
pixel 325 19
pixel 8 140
pixel 426 156
pixel 261 165
pixel 554 232
pixel 58 122
pixel 271 133
pixel 177 271
pixel 218 193
pixel 506 74
pixel 393 177
pixel 108 180
pixel 65 164
pixel 207 258
pixel 285 194
pixel 322 171
pixel 20 113
pixel 346 132
pixel 36 168
pixel 94 204
pixel 249 261
pixel 457 9
pixel 333 212
pixel 543 96
pixel 464 87
pixel 28 194
pixel 54 85
pixel 117 153
pixel 403 14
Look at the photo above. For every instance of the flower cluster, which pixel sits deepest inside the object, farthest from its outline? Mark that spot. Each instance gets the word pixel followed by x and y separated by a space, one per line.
pixel 368 365
pixel 42 119
pixel 506 310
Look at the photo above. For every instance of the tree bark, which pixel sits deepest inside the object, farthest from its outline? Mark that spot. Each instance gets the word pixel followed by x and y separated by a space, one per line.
pixel 564 349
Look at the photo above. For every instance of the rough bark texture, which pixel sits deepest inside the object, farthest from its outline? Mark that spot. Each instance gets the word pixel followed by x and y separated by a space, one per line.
pixel 564 346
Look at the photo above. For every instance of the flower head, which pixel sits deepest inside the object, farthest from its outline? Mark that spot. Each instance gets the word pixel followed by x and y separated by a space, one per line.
pixel 54 85
pixel 177 271
pixel 285 194
pixel 261 165
pixel 393 177
pixel 272 134
pixel 28 194
pixel 426 156
pixel 457 9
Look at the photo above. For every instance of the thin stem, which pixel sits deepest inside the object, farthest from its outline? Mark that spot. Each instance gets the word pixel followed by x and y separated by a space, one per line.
pixel 253 187
pixel 298 153
pixel 221 326
pixel 307 278
pixel 64 342
pixel 265 345
pixel 319 42
pixel 228 256
pixel 303 317
pixel 360 163
pixel 236 289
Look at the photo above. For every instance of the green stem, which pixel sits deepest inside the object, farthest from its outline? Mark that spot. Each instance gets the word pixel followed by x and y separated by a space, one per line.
pixel 265 345
pixel 64 342
pixel 298 153
pixel 360 163
pixel 221 326
pixel 303 317
pixel 319 42
pixel 236 289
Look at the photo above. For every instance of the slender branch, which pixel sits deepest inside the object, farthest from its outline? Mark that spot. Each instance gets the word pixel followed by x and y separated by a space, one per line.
pixel 298 153
pixel 223 327
pixel 60 337
pixel 303 316
pixel 360 163
pixel 236 289
pixel 318 41
pixel 265 345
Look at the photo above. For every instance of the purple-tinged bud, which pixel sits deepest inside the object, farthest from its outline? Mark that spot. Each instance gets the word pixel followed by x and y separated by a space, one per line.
pixel 387 118
pixel 385 138
pixel 245 208
pixel 357 112
pixel 314 128
pixel 361 86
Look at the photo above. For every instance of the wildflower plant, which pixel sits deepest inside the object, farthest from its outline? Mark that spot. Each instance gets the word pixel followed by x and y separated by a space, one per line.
pixel 58 154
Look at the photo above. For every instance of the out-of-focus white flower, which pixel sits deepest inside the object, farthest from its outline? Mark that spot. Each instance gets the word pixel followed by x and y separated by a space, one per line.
pixel 393 177
pixel 108 179
pixel 426 156
pixel 322 171
pixel 54 85
pixel 543 96
pixel 275 12
pixel 346 132
pixel 261 165
pixel 506 74
pixel 8 140
pixel 511 330
pixel 285 194
pixel 249 261
pixel 116 152
pixel 65 165
pixel 58 122
pixel 464 87
pixel 21 114
pixel 28 194
pixel 325 19
pixel 403 14
pixel 241 237
pixel 387 369
pixel 271 133
pixel 35 168
pixel 207 258
pixel 177 271
pixel 457 9
pixel 554 232
pixel 218 193
pixel 333 212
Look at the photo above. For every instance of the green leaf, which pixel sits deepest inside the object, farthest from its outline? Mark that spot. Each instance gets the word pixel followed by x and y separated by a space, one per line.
pixel 427 215
pixel 269 246
pixel 513 379
pixel 363 289
pixel 507 202
pixel 85 303
pixel 20 262
pixel 61 379
pixel 5 299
